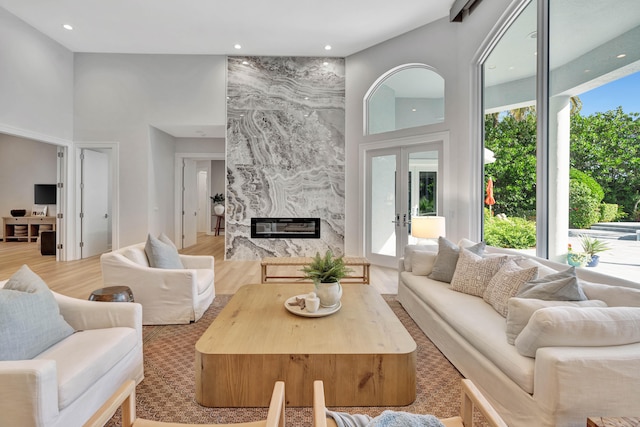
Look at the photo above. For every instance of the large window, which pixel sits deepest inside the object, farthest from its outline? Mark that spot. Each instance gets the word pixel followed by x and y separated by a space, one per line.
pixel 574 144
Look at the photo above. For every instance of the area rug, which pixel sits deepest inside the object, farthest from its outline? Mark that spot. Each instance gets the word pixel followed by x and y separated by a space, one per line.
pixel 168 390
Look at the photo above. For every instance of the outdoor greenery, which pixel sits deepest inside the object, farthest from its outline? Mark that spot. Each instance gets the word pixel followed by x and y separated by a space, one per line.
pixel 605 162
pixel 218 198
pixel 593 246
pixel 509 232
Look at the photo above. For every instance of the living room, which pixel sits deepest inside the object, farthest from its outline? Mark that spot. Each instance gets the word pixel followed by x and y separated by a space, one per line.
pixel 141 104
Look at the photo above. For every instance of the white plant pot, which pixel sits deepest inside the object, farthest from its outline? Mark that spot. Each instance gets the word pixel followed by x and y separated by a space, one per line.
pixel 329 293
pixel 218 209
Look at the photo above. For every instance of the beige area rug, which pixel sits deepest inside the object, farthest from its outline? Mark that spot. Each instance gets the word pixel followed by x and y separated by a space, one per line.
pixel 168 390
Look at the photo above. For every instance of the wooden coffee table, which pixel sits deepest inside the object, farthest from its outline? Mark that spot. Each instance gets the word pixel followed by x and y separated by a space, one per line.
pixel 362 352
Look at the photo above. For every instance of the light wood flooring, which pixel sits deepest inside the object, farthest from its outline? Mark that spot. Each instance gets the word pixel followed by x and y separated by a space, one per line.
pixel 78 278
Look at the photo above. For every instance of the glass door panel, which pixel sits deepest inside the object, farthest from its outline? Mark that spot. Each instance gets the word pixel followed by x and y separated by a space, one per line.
pixel 393 201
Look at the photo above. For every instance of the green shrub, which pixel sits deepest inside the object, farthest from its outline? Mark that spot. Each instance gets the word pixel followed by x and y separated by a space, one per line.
pixel 596 189
pixel 583 206
pixel 608 212
pixel 516 233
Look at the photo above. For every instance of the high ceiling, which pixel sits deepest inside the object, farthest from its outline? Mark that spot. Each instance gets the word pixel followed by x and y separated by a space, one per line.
pixel 276 27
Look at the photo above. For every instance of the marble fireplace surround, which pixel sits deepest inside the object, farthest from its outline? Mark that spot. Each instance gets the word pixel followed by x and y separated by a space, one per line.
pixel 285 152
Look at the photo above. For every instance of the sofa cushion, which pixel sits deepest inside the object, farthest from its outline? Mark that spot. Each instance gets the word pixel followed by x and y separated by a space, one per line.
pixel 476 322
pixel 614 296
pixel 162 254
pixel 560 286
pixel 410 249
pixel 30 319
pixel 422 263
pixel 473 273
pixel 505 284
pixel 447 259
pixel 578 327
pixel 520 311
pixel 83 358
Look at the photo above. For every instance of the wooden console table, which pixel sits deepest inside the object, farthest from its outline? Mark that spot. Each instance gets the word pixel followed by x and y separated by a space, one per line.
pixel 33 226
pixel 359 265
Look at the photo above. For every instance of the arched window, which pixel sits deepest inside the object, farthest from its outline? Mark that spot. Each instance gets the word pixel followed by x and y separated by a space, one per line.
pixel 407 96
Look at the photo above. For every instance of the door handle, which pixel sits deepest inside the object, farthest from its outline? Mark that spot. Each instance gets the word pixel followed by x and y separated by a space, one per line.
pixel 397 221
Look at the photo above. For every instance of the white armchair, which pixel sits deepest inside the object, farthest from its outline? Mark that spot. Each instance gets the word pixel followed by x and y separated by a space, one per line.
pixel 67 383
pixel 168 296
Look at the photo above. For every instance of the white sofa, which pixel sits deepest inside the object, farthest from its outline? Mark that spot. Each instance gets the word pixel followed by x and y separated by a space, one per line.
pixel 168 296
pixel 561 385
pixel 64 385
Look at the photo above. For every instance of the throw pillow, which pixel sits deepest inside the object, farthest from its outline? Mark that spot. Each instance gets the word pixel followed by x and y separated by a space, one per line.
pixel 520 311
pixel 30 320
pixel 614 296
pixel 162 254
pixel 543 270
pixel 447 259
pixel 505 284
pixel 422 263
pixel 561 286
pixel 409 250
pixel 473 273
pixel 579 327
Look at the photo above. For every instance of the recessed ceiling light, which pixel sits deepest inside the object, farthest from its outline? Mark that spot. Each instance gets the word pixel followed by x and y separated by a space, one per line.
pixel 492 67
pixel 67 27
pixel 622 55
pixel 327 47
pixel 533 35
pixel 587 70
pixel 414 110
pixel 237 46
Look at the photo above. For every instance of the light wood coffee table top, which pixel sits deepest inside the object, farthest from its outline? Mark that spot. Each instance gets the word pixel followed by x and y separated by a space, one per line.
pixel 363 353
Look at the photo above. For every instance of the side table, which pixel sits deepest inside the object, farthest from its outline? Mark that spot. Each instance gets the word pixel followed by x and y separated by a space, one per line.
pixel 112 294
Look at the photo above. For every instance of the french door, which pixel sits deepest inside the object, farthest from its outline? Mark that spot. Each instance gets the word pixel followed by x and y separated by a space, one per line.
pixel 402 182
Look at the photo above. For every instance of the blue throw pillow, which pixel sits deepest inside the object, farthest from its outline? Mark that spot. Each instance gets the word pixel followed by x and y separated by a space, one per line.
pixel 30 320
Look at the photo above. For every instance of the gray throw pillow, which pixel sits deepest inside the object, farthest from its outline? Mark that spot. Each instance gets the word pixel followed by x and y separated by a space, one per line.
pixel 162 254
pixel 561 286
pixel 30 320
pixel 448 253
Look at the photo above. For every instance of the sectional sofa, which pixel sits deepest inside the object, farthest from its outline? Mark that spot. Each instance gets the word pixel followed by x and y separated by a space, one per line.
pixel 539 359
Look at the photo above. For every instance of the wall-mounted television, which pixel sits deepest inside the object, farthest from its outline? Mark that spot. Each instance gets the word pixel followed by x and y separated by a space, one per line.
pixel 44 194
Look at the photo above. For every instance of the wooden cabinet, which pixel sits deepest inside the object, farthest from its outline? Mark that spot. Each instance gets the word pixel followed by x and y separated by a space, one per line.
pixel 26 228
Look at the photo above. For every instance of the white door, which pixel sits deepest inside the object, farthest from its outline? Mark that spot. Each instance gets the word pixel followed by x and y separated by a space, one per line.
pixel 203 200
pixel 401 182
pixel 189 203
pixel 94 197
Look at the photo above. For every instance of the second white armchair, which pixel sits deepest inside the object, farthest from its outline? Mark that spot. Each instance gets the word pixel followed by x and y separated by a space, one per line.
pixel 168 296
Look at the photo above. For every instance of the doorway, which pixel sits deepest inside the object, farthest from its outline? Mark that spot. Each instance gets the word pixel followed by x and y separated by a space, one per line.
pixel 401 182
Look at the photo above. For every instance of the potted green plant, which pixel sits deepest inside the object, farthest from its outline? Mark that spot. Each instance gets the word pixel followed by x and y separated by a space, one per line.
pixel 593 246
pixel 326 272
pixel 577 259
pixel 218 203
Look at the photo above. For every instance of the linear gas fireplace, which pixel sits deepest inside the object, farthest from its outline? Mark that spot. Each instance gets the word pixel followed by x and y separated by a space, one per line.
pixel 285 228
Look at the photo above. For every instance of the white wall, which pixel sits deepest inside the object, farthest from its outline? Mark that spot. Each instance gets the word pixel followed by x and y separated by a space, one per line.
pixel 161 183
pixel 118 96
pixel 450 48
pixel 36 83
pixel 16 180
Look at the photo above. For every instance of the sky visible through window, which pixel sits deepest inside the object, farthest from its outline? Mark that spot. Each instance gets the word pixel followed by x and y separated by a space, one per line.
pixel 623 92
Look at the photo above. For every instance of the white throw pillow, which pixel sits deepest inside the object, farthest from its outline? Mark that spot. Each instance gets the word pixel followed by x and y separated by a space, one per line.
pixel 422 263
pixel 614 296
pixel 543 270
pixel 520 310
pixel 473 273
pixel 579 327
pixel 505 284
pixel 409 250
